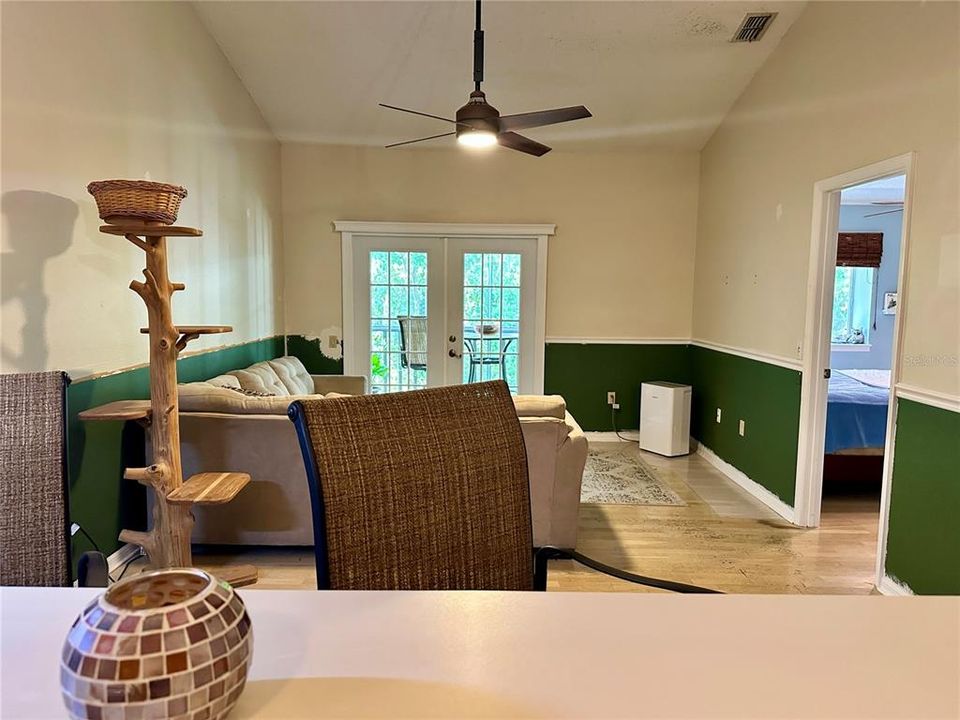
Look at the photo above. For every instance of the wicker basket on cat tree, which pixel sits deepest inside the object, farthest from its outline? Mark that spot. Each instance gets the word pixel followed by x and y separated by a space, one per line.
pixel 144 212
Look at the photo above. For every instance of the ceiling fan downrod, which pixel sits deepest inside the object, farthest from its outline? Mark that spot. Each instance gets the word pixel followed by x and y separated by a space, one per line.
pixel 477 52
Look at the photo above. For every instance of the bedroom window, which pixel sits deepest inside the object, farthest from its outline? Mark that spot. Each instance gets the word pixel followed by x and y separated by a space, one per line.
pixel 853 293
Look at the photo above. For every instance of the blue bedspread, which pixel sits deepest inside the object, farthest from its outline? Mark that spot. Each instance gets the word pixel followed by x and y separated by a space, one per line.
pixel 856 414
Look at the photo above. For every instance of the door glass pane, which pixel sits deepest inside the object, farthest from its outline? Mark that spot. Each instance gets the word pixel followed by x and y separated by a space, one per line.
pixel 398 321
pixel 491 315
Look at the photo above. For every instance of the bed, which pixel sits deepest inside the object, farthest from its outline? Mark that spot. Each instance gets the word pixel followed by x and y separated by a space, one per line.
pixel 857 403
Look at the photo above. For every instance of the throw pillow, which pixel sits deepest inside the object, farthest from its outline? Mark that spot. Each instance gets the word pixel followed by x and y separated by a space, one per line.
pixel 248 393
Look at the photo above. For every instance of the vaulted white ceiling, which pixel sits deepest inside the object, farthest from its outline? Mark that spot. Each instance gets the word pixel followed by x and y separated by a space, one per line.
pixel 654 74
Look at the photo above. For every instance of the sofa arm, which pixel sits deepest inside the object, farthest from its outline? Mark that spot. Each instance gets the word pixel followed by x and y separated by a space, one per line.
pixel 343 384
pixel 540 406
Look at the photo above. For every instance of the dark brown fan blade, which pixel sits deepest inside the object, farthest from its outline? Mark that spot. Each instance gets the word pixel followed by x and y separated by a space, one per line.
pixel 417 112
pixel 523 144
pixel 543 117
pixel 431 137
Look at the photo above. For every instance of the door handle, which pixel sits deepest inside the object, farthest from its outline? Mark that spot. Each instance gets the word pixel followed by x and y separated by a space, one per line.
pixel 454 354
pixel 826 373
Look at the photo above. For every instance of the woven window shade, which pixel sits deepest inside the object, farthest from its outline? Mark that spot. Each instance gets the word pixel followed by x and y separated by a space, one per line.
pixel 859 249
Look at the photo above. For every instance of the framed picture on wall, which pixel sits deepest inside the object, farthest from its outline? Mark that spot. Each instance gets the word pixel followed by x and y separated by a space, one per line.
pixel 889 303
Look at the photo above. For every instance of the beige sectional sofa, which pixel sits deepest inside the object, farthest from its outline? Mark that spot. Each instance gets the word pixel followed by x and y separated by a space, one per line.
pixel 238 422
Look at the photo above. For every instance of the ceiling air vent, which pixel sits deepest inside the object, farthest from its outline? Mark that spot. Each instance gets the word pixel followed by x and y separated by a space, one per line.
pixel 753 27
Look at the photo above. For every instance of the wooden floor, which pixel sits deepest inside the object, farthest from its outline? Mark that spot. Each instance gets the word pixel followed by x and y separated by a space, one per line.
pixel 722 538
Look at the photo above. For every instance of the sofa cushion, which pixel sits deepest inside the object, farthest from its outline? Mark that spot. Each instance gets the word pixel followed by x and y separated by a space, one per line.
pixel 262 378
pixel 204 397
pixel 293 375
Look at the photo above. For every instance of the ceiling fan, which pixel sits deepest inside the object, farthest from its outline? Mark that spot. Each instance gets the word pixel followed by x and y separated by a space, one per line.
pixel 886 212
pixel 479 124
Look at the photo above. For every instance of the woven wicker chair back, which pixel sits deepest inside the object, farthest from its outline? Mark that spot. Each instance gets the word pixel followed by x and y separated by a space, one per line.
pixel 423 490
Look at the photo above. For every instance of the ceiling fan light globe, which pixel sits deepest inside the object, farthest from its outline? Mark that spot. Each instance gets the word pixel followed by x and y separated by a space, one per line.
pixel 477 138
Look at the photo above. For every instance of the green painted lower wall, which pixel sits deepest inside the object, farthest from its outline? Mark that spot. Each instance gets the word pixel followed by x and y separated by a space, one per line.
pixel 584 373
pixel 923 542
pixel 767 398
pixel 923 537
pixel 100 500
pixel 308 351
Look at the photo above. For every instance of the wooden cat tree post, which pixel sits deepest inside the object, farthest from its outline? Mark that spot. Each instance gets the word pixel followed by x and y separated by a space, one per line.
pixel 141 212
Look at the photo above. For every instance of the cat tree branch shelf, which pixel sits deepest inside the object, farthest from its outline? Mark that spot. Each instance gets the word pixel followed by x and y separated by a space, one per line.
pixel 167 542
pixel 136 410
pixel 151 230
pixel 189 333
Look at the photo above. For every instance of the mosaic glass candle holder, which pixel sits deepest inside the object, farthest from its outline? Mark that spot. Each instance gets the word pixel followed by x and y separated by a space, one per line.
pixel 165 644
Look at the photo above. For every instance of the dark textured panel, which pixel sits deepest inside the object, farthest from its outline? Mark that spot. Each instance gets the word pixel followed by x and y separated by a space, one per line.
pixel 923 541
pixel 767 397
pixel 584 373
pixel 313 360
pixel 33 526
pixel 100 500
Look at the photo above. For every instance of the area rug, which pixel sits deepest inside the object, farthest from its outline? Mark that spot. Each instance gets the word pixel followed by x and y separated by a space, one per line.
pixel 616 475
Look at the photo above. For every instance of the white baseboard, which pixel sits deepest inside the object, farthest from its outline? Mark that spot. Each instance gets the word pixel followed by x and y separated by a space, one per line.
pixel 751 486
pixel 890 586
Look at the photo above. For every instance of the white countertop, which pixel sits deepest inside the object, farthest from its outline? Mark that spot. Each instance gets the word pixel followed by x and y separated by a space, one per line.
pixel 549 655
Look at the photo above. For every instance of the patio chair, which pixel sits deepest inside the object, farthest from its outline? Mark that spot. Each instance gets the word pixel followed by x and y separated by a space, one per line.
pixel 413 342
pixel 425 490
pixel 478 359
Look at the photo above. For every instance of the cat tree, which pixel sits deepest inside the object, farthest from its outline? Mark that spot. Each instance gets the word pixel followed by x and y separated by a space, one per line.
pixel 143 213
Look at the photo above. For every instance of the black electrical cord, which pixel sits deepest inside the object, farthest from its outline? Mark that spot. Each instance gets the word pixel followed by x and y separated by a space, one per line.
pixel 94 543
pixel 96 547
pixel 613 422
pixel 126 565
pixel 89 539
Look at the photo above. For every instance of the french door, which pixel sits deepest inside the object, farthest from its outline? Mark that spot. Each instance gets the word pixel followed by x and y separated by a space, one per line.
pixel 428 310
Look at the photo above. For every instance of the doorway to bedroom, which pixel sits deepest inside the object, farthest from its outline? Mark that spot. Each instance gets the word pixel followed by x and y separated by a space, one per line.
pixel 851 369
pixel 865 298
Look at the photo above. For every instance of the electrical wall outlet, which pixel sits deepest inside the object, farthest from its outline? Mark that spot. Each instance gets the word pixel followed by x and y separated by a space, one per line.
pixel 616 406
pixel 611 398
pixel 743 428
pixel 719 412
pixel 333 342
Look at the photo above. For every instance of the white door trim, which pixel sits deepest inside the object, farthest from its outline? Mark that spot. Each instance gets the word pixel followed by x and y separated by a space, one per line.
pixel 442 229
pixel 452 231
pixel 816 355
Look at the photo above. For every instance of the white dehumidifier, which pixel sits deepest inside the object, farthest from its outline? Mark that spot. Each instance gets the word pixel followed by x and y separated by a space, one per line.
pixel 665 418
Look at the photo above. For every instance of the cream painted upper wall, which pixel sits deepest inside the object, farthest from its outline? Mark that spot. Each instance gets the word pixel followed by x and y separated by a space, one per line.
pixel 850 84
pixel 93 91
pixel 620 264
